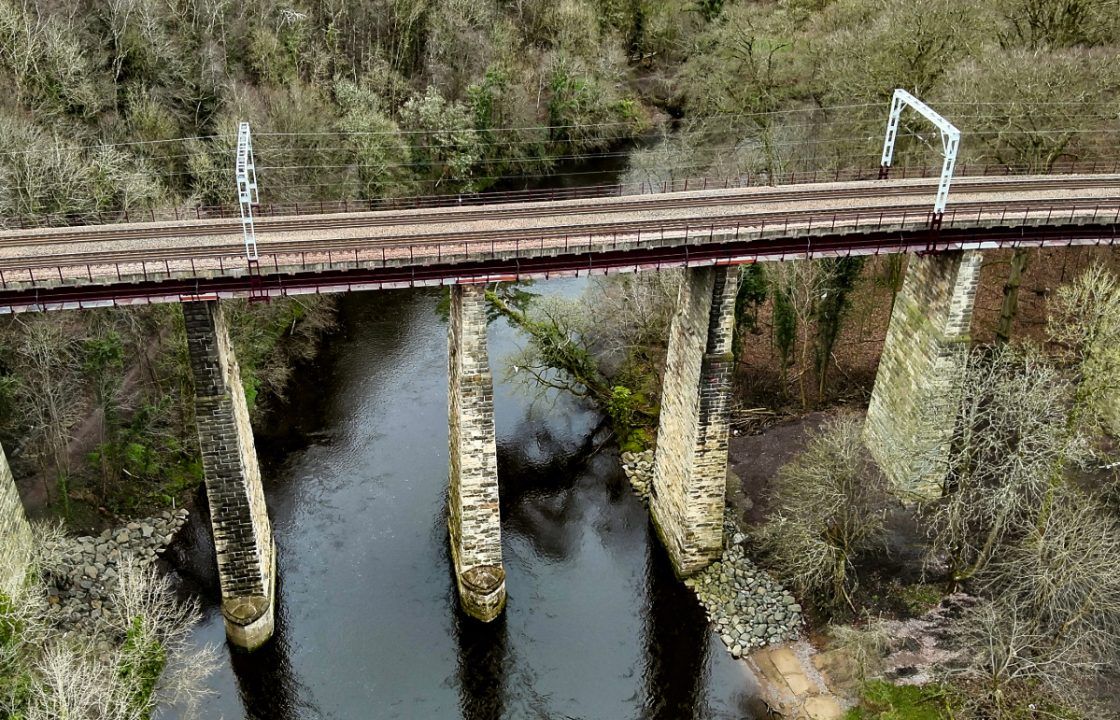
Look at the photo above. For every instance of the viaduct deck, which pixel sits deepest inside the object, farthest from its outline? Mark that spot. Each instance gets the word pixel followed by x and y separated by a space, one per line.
pixel 184 260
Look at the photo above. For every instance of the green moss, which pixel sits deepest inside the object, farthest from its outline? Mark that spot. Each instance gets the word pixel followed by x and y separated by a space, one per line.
pixel 15 680
pixel 921 597
pixel 9 627
pixel 638 440
pixel 881 700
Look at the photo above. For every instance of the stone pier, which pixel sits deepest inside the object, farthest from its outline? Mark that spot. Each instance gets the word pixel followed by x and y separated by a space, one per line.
pixel 15 533
pixel 474 520
pixel 690 464
pixel 913 405
pixel 242 532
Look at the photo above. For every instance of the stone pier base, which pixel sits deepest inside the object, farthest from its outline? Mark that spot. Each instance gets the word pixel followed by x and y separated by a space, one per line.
pixel 242 532
pixel 690 464
pixel 914 402
pixel 474 520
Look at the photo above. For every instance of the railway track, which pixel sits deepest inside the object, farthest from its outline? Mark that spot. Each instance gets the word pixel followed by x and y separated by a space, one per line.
pixel 795 219
pixel 442 216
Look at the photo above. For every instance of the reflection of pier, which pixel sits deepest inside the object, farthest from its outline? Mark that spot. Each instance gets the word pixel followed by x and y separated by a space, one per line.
pixel 266 681
pixel 673 652
pixel 483 654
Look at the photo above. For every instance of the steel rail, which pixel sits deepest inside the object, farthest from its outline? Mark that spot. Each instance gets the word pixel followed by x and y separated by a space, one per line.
pixel 280 208
pixel 794 220
pixel 311 223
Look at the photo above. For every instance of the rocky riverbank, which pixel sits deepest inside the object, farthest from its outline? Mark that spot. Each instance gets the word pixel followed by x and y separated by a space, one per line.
pixel 81 580
pixel 747 607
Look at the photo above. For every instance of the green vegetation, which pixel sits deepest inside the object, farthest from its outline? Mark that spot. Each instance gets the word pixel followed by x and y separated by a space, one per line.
pixel 101 402
pixel 134 658
pixel 377 99
pixel 144 660
pixel 884 701
pixel 571 349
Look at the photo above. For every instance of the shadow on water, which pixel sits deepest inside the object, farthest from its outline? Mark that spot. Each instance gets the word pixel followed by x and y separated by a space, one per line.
pixel 483 655
pixel 674 651
pixel 266 682
pixel 368 624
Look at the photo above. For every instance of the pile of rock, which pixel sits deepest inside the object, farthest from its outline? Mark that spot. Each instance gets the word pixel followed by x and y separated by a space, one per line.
pixel 638 467
pixel 84 571
pixel 748 608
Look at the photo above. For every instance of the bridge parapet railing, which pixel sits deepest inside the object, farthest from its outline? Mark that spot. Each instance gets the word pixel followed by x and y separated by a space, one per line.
pixel 673 185
pixel 803 234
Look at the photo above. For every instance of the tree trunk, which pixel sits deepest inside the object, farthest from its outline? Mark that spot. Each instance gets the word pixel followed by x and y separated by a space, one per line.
pixel 1011 296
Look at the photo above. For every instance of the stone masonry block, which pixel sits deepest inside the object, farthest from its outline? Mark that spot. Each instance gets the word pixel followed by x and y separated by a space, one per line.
pixel 14 529
pixel 913 404
pixel 690 463
pixel 239 518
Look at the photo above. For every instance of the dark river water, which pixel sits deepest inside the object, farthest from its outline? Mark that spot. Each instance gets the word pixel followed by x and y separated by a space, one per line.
pixel 368 624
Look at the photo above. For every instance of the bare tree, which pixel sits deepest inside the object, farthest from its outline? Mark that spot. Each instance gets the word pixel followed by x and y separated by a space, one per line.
pixel 149 662
pixel 1085 323
pixel 159 665
pixel 798 286
pixel 828 508
pixel 50 391
pixel 630 313
pixel 1009 448
pixel 1052 623
pixel 589 338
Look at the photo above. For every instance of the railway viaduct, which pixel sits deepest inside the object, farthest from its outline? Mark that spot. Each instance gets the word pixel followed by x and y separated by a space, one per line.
pixel 201 261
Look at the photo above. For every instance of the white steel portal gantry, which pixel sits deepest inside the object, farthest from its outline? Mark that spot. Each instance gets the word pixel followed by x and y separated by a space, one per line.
pixel 247 195
pixel 950 143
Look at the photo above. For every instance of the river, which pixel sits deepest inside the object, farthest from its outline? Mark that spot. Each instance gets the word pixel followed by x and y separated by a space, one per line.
pixel 367 620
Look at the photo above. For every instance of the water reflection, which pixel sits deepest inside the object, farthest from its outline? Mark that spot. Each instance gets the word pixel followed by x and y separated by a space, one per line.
pixel 673 653
pixel 483 654
pixel 266 682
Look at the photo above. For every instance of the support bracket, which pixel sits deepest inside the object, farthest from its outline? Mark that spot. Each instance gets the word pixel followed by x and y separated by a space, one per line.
pixel 950 143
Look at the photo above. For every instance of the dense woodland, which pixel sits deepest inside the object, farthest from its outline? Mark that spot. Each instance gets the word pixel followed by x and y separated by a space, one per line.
pixel 132 105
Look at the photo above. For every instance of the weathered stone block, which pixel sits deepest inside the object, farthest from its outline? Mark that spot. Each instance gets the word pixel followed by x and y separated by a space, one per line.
pixel 690 464
pixel 15 533
pixel 474 519
pixel 239 518
pixel 914 402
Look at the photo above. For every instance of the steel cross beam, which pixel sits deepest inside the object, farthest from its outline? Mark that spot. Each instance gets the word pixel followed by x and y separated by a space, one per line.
pixel 950 143
pixel 247 189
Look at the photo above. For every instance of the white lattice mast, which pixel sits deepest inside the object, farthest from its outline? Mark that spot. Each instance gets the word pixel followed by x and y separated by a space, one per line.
pixel 950 143
pixel 247 189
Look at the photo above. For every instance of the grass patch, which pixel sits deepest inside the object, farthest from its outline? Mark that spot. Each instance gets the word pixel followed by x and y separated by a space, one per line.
pixel 882 700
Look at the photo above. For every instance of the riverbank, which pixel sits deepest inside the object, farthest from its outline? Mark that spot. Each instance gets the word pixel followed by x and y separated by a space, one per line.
pixel 758 621
pixel 129 447
pixel 82 572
